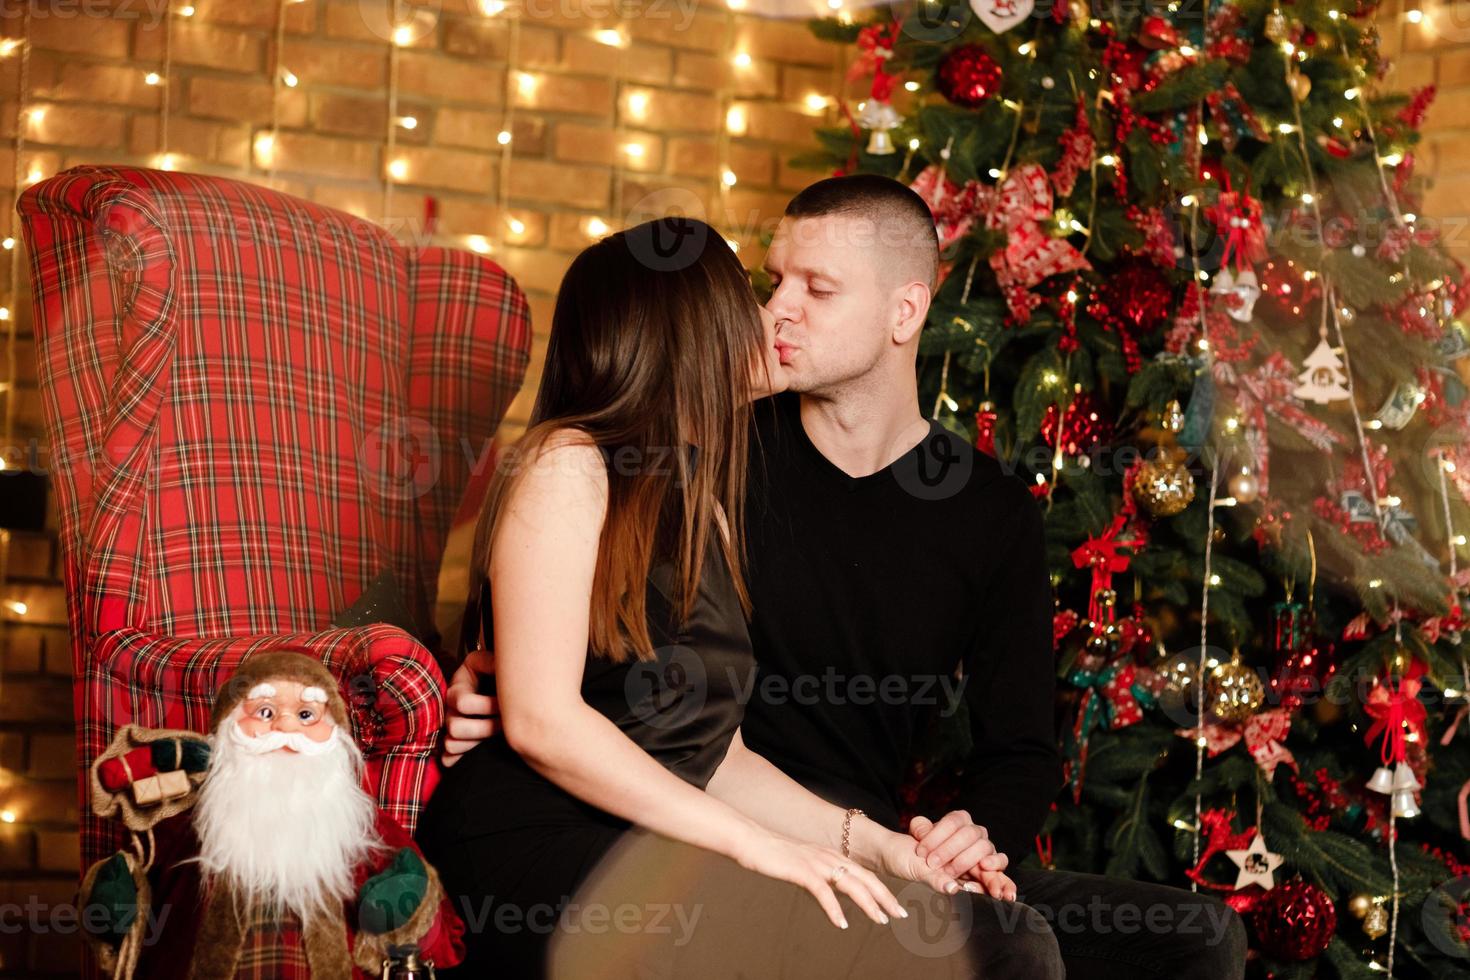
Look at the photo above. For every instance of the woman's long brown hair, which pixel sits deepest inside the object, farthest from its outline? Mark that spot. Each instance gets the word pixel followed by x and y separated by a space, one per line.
pixel 652 342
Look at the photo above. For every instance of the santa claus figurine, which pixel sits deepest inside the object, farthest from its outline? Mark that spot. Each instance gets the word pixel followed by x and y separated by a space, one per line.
pixel 270 859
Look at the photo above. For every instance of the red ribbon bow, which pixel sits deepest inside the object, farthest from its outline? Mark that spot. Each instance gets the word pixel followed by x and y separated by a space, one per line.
pixel 1030 253
pixel 1262 733
pixel 1396 711
pixel 1101 555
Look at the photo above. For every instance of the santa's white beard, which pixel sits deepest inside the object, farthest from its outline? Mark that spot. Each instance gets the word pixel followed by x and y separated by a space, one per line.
pixel 286 830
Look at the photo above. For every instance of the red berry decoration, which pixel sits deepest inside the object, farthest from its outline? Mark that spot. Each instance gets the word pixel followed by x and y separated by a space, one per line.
pixel 968 76
pixel 1294 921
pixel 1082 427
pixel 1138 293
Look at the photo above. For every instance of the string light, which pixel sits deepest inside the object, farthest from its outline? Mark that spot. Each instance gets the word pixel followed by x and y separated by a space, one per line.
pixel 23 91
pixel 507 126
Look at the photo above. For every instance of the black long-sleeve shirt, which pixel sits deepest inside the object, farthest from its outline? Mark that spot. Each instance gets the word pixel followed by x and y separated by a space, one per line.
pixel 870 593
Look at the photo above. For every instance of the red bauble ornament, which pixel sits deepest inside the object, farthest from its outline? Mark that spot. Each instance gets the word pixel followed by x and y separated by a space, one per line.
pixel 1082 427
pixel 1294 921
pixel 985 420
pixel 1282 284
pixel 968 76
pixel 1138 293
pixel 1156 33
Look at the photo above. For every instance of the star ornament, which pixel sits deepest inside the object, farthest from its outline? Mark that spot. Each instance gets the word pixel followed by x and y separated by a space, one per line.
pixel 1256 864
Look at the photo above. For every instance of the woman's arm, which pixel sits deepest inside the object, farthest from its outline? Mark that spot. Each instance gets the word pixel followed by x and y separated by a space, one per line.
pixel 753 785
pixel 542 564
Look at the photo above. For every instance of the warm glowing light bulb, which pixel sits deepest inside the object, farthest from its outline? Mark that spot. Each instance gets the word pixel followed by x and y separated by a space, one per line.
pixel 742 59
pixel 638 104
pixel 398 169
pixel 735 121
pixel 152 78
pixel 517 226
pixel 635 150
pixel 479 243
pixel 596 227
pixel 408 122
pixel 403 35
pixel 612 37
pixel 728 177
pixel 289 78
pixel 503 138
pixel 815 102
pixel 492 8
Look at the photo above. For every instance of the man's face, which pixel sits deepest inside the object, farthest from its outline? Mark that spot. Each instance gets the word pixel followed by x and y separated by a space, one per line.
pixel 830 298
pixel 287 707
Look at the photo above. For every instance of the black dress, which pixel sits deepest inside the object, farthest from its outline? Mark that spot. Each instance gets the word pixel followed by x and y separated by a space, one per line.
pixel 511 846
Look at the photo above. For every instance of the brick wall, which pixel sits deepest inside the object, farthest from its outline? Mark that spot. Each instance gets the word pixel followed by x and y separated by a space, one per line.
pixel 577 103
pixel 1433 48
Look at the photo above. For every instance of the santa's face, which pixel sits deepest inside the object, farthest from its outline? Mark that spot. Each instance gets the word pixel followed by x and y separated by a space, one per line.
pixel 290 708
pixel 282 812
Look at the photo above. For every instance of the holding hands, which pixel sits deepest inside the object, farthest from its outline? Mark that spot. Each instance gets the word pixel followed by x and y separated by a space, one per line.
pixel 959 846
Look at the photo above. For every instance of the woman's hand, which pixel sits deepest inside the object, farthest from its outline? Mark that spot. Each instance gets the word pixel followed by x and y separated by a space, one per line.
pixel 812 867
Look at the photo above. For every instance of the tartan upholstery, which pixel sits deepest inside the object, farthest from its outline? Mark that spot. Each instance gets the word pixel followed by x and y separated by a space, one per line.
pixel 254 405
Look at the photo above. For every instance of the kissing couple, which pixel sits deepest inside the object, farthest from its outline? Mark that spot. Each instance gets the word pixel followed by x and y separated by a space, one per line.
pixel 716 500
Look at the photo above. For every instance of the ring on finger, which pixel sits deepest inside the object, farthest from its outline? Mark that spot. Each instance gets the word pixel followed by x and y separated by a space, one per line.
pixel 837 872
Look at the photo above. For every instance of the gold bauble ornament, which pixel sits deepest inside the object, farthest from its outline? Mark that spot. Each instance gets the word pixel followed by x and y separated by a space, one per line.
pixel 1244 486
pixel 1276 26
pixel 1300 85
pixel 1375 923
pixel 1359 904
pixel 1179 672
pixel 1163 485
pixel 1233 691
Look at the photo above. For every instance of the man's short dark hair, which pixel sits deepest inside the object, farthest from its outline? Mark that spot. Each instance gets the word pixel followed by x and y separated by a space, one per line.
pixel 903 221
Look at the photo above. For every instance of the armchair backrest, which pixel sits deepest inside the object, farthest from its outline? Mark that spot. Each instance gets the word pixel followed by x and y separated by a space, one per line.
pixel 255 404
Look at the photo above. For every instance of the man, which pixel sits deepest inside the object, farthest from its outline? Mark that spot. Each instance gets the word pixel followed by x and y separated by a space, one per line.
pixel 886 557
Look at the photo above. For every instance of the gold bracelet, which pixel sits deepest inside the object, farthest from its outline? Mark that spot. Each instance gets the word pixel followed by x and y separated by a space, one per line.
pixel 847 830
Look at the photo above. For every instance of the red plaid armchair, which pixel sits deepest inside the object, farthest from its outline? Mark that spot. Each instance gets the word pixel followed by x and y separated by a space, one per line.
pixel 256 406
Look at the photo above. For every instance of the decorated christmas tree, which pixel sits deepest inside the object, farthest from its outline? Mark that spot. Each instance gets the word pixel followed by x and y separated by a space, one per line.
pixel 1188 296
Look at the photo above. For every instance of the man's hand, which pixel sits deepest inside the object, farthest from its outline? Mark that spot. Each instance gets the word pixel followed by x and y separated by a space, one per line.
pixel 472 716
pixel 958 846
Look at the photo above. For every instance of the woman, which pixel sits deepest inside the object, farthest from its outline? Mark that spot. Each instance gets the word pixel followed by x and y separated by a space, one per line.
pixel 613 547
